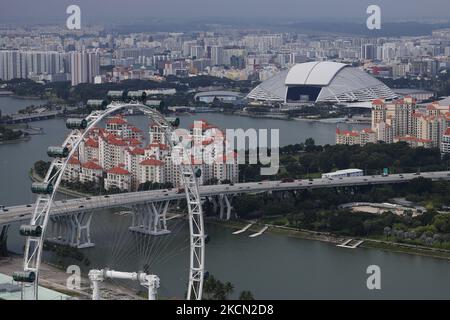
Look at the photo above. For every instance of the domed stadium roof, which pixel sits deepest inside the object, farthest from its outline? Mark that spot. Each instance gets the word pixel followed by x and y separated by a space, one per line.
pixel 320 82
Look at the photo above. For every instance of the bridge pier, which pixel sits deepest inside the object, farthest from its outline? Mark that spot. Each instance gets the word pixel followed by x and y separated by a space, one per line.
pixel 73 230
pixel 213 201
pixel 150 218
pixel 225 206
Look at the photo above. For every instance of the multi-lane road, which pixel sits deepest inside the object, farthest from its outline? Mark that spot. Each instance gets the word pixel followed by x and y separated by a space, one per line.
pixel 23 212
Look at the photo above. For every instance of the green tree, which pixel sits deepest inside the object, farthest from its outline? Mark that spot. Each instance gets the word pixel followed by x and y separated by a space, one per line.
pixel 246 295
pixel 442 222
pixel 214 289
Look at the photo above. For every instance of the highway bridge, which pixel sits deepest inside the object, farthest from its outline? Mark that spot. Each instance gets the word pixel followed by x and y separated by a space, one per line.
pixel 95 203
pixel 31 117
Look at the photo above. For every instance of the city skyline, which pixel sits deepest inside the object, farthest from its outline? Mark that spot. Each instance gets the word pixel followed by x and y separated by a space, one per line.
pixel 103 11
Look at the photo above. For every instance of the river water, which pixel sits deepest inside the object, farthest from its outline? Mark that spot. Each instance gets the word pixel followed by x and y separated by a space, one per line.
pixel 271 266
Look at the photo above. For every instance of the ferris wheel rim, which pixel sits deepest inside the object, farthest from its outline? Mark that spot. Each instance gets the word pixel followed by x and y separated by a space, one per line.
pixel 196 224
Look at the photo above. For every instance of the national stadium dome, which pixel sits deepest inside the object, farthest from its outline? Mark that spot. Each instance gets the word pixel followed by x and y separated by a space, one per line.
pixel 322 81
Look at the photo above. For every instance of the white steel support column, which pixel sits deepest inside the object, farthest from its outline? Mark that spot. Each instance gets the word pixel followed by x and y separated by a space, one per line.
pixel 150 218
pixel 225 206
pixel 228 204
pixel 73 230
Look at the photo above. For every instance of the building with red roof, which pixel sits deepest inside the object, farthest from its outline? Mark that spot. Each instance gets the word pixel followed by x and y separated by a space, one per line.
pixel 91 171
pixel 355 137
pixel 119 178
pixel 152 170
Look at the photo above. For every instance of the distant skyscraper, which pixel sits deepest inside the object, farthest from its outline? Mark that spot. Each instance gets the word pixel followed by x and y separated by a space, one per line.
pixel 84 67
pixel 197 52
pixel 368 52
pixel 217 55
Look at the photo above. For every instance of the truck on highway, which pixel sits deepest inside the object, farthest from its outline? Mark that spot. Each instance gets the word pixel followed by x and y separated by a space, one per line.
pixel 343 173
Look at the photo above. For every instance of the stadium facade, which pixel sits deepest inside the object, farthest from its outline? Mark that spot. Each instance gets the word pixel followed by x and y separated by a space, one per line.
pixel 322 81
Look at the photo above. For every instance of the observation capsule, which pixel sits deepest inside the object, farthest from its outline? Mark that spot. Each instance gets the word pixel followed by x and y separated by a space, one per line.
pixel 57 152
pixel 175 122
pixel 24 276
pixel 75 123
pixel 42 187
pixel 30 231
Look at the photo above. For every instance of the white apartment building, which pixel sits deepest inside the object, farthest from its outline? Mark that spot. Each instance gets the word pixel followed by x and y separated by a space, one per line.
pixel 73 170
pixel 91 172
pixel 402 120
pixel 119 178
pixel 84 67
pixel 151 169
pixel 445 144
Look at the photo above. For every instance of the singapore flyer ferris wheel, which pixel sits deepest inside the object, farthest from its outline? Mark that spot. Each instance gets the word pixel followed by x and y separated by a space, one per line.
pixel 36 231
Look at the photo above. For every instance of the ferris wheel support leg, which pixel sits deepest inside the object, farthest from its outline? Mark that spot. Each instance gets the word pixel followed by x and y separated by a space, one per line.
pixel 95 290
pixel 96 276
pixel 152 282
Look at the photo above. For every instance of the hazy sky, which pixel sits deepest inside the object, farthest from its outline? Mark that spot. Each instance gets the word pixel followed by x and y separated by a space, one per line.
pixel 101 10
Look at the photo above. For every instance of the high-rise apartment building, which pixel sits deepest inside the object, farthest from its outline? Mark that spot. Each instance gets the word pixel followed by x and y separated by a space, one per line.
pixel 84 66
pixel 26 64
pixel 216 55
pixel 403 120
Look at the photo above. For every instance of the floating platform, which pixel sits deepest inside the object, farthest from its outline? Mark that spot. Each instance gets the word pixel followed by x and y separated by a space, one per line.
pixel 350 244
pixel 259 233
pixel 243 229
pixel 144 230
